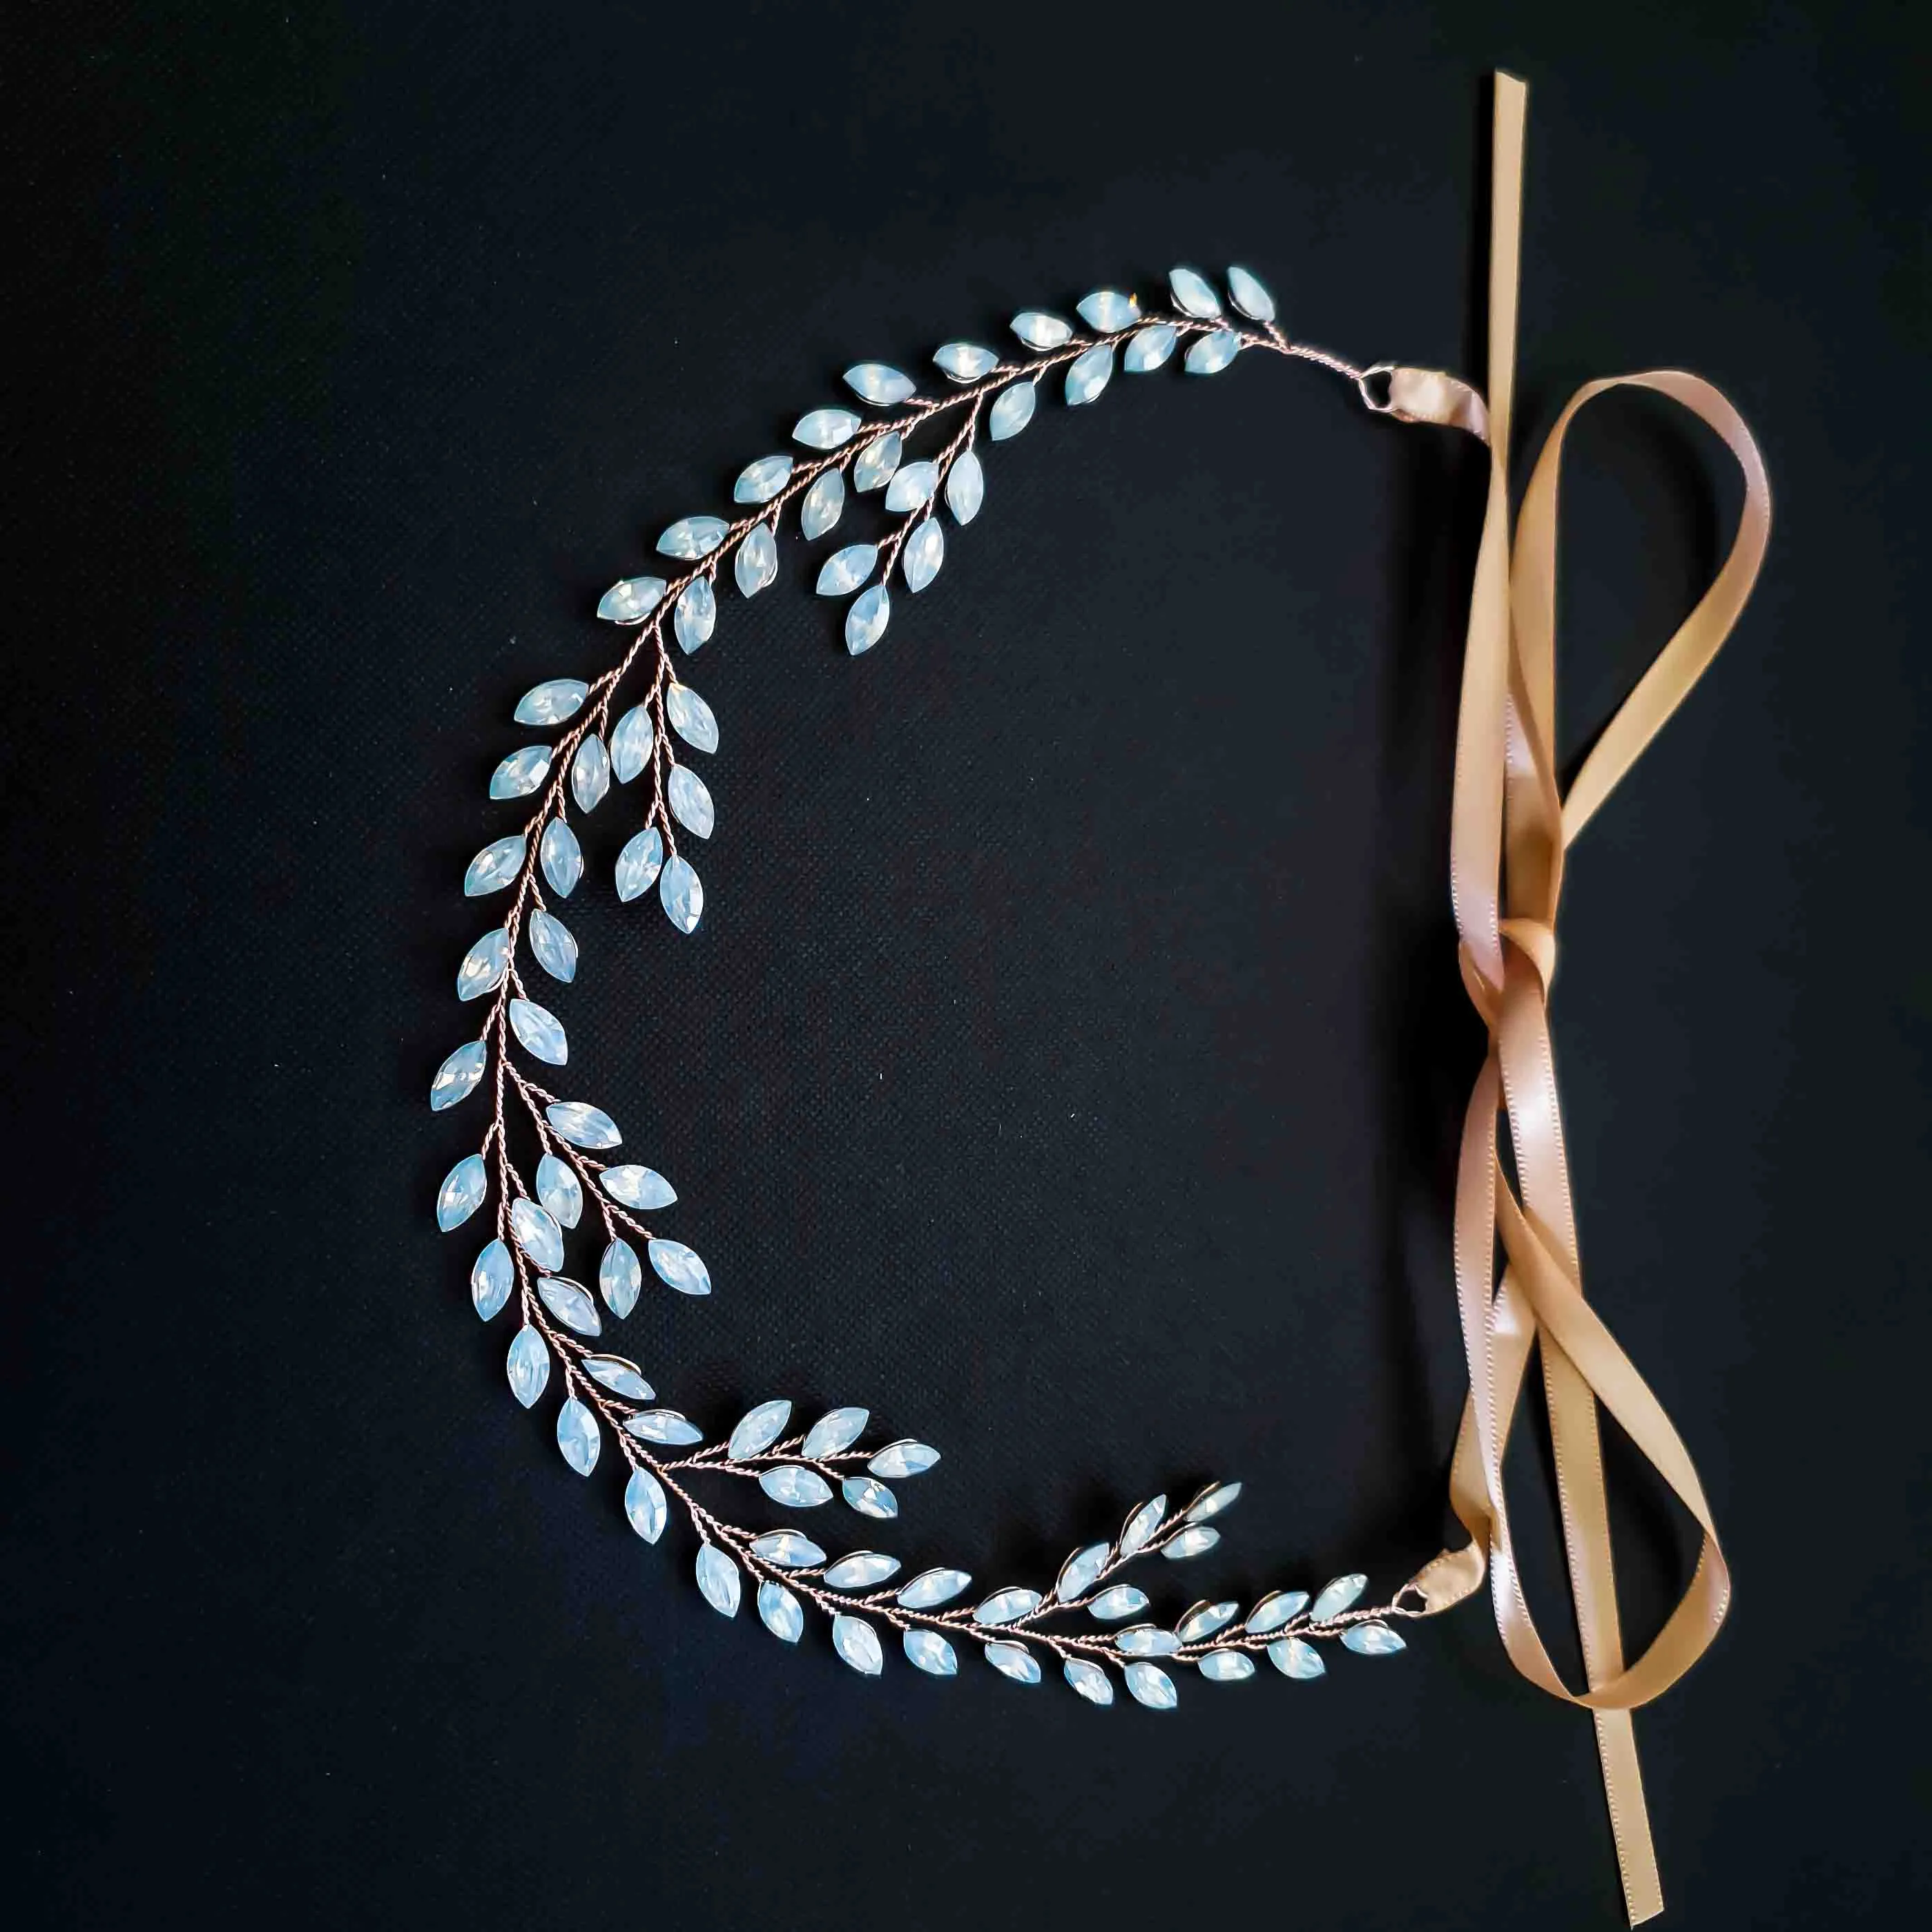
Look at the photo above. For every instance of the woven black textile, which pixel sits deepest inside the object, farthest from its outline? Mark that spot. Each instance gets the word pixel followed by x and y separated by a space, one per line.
pixel 1069 1063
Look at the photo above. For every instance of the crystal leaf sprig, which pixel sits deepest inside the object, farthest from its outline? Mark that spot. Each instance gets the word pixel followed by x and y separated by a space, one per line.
pixel 561 1325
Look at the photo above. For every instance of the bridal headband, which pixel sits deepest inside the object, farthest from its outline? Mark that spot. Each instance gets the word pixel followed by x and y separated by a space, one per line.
pixel 637 721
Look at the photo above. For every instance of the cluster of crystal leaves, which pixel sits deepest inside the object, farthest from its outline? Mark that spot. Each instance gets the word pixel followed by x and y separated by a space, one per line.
pixel 1213 1636
pixel 537 1227
pixel 913 490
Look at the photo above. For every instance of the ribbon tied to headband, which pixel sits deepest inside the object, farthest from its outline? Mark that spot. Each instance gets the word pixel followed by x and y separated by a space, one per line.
pixel 1510 827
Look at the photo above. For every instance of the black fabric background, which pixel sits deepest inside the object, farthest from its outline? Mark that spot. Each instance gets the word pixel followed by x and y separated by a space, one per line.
pixel 1069 1061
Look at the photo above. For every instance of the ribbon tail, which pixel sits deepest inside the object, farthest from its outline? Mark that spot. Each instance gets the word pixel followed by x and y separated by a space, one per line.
pixel 1630 1815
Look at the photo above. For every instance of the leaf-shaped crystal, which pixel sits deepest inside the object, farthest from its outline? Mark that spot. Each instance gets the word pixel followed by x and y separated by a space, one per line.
pixel 639 863
pixel 483 966
pixel 1148 348
pixel 1004 1606
pixel 932 1587
pixel 838 1429
pixel 788 1549
pixel 757 563
pixel 1014 1660
pixel 631 743
pixel 551 702
pixel 1088 374
pixel 1119 1601
pixel 795 1486
pixel 1281 1607
pixel 825 429
pixel 456 1078
pixel 925 552
pixel 583 1125
pixel 879 383
pixel 494 867
pixel 759 1429
pixel 1039 330
pixel 634 1186
pixel 590 773
pixel 819 508
pixel 571 1303
pixel 559 1191
pixel 462 1191
pixel 759 482
pixel 1146 1640
pixel 1147 1684
pixel 681 893
pixel 665 1426
pixel 1013 410
pixel 1213 1500
pixel 876 462
pixel 1294 1658
pixel 1204 1619
pixel 693 537
pixel 869 1498
pixel 858 1643
pixel 1195 1541
pixel 521 773
pixel 965 361
pixel 1208 355
pixel 620 1376
pixel 1089 1679
pixel 844 570
pixel 695 615
pixel 780 1612
pixel 1141 1524
pixel 861 1570
pixel 491 1280
pixel 691 718
pixel 678 1267
pixel 865 622
pixel 630 601
pixel 912 487
pixel 1337 1596
pixel 537 1233
pixel 1109 311
pixel 1194 294
pixel 561 858
pixel 528 1366
pixel 620 1277
pixel 906 1458
pixel 644 1504
pixel 577 1436
pixel 1079 1573
pixel 718 1580
pixel 690 803
pixel 1226 1666
pixel 1372 1640
pixel 1249 296
pixel 928 1651
pixel 965 487
pixel 554 945
pixel 540 1032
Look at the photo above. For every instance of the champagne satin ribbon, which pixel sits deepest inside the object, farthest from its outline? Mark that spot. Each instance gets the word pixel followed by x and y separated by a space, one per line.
pixel 1510 828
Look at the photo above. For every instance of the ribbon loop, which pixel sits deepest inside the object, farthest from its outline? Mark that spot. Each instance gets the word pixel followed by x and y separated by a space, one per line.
pixel 1510 826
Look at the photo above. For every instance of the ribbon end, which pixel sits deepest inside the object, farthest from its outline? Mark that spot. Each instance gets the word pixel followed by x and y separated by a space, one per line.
pixel 1431 396
pixel 1446 1579
pixel 1629 1816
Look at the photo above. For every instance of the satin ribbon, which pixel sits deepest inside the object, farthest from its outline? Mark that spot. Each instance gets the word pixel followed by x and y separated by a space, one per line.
pixel 1510 829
